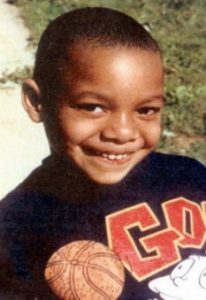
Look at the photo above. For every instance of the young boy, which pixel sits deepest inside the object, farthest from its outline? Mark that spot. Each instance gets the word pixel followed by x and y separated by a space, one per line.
pixel 98 88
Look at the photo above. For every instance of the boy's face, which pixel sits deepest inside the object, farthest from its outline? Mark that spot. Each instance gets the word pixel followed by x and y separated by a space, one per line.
pixel 109 111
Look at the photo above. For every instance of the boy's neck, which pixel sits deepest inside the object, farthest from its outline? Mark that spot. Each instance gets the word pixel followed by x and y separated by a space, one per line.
pixel 60 177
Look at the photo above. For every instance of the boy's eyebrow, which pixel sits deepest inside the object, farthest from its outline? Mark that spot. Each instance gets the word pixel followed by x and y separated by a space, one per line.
pixel 105 97
pixel 160 97
pixel 163 98
pixel 86 94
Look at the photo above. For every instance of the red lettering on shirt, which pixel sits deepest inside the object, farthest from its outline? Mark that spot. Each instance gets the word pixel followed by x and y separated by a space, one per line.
pixel 187 219
pixel 162 243
pixel 157 248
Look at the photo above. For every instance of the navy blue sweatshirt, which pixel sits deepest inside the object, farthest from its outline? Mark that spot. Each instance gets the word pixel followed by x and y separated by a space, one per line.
pixel 154 220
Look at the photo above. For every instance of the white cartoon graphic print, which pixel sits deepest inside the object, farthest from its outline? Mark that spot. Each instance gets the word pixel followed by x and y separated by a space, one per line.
pixel 187 281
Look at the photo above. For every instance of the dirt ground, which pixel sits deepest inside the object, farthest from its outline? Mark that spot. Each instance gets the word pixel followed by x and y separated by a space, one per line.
pixel 22 143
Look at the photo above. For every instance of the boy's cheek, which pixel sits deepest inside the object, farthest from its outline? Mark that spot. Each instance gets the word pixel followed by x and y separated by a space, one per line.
pixel 79 132
pixel 153 135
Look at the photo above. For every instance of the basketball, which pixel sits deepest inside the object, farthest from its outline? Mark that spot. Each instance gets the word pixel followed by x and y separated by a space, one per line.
pixel 85 270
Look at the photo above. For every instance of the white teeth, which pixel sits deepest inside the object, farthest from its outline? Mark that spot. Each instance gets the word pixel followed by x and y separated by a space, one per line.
pixel 114 156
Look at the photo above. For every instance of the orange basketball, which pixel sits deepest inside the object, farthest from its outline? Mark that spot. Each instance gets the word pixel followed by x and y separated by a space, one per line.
pixel 85 270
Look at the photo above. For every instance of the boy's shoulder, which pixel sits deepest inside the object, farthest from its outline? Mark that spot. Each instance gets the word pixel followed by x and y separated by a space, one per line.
pixel 174 160
pixel 176 171
pixel 177 164
pixel 171 172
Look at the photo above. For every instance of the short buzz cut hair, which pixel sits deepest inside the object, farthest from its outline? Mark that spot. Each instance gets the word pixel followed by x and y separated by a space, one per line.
pixel 90 25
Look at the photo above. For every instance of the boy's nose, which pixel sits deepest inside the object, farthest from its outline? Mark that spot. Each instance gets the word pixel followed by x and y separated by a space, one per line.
pixel 120 129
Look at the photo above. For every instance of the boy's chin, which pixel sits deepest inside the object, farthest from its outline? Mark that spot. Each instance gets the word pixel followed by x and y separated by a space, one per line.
pixel 107 179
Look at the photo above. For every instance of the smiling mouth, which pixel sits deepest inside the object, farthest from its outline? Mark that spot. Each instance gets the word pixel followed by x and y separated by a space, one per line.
pixel 113 157
pixel 108 155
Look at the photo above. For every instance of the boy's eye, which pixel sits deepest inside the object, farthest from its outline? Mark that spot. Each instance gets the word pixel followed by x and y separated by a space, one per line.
pixel 90 107
pixel 148 111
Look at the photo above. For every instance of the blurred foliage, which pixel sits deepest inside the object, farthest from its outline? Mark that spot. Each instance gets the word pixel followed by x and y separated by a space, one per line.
pixel 180 28
pixel 17 77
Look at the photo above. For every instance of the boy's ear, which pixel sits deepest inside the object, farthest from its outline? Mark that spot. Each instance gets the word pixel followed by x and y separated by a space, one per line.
pixel 31 100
